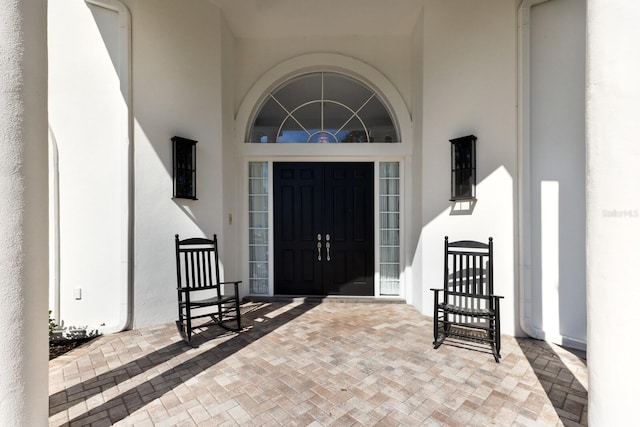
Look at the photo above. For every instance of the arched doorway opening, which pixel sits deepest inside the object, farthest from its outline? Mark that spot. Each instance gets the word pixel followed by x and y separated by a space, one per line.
pixel 325 157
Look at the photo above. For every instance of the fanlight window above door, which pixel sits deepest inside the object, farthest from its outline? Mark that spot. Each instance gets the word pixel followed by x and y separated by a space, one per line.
pixel 323 108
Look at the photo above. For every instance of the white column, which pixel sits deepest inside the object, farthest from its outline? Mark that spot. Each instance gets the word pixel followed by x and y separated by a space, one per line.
pixel 23 213
pixel 613 210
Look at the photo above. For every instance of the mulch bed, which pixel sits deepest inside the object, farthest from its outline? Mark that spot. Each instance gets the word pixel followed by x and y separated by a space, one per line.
pixel 60 347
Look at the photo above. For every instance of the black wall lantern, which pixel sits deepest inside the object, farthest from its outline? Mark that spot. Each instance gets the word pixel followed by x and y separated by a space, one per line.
pixel 463 168
pixel 184 168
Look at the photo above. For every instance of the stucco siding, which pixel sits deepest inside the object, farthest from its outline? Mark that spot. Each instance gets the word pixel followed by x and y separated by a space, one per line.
pixel 89 142
pixel 176 91
pixel 389 55
pixel 470 88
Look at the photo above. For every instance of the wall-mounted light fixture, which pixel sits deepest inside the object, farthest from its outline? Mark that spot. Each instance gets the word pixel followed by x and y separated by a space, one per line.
pixel 463 168
pixel 184 168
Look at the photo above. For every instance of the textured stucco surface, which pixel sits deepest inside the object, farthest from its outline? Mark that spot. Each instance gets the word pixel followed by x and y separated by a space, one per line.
pixel 23 257
pixel 12 395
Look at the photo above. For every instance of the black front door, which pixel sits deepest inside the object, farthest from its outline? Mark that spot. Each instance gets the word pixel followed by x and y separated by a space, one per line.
pixel 323 228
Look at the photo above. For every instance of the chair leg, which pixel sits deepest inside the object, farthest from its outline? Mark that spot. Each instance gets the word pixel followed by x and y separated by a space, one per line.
pixel 497 320
pixel 189 329
pixel 238 313
pixel 180 324
pixel 495 347
pixel 435 325
pixel 437 340
pixel 498 338
pixel 494 337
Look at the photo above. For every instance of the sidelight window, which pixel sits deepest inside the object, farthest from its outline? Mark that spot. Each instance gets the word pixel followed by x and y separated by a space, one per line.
pixel 389 228
pixel 323 108
pixel 259 228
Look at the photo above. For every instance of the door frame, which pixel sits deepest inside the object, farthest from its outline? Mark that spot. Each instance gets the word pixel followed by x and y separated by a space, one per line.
pixel 405 214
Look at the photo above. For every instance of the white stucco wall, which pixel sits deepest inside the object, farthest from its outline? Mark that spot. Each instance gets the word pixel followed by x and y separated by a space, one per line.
pixel 390 55
pixel 470 88
pixel 176 91
pixel 415 294
pixel 89 141
pixel 556 185
pixel 176 85
pixel 232 172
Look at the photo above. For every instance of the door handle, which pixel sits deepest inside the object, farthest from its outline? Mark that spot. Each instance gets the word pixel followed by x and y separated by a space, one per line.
pixel 319 251
pixel 328 246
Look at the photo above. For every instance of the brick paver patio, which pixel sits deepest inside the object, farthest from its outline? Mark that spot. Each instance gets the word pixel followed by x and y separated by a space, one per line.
pixel 300 364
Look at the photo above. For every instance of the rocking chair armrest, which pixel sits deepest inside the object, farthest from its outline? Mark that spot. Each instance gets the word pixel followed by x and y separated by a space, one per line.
pixel 436 294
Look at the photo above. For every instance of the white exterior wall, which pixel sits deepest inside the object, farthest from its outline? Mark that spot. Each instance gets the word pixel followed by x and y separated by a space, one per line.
pixel 231 245
pixel 176 91
pixel 469 78
pixel 391 56
pixel 553 188
pixel 89 132
pixel 415 294
pixel 126 268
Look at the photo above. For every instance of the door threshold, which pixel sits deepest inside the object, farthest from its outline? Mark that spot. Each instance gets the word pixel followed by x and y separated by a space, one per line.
pixel 318 299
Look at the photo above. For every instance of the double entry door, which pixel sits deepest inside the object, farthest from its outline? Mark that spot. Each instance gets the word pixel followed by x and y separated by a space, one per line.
pixel 323 228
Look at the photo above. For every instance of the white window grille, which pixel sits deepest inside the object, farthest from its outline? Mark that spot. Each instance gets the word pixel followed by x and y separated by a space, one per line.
pixel 323 107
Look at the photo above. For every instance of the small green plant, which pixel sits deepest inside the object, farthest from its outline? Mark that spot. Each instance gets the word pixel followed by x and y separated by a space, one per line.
pixel 52 325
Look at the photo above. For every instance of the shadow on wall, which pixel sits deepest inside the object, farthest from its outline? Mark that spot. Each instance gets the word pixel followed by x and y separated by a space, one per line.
pixel 463 207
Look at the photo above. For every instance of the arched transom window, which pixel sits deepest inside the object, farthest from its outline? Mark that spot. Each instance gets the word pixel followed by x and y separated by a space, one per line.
pixel 323 107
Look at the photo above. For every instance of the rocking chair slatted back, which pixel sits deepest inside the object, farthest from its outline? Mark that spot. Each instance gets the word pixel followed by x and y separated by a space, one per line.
pixel 469 275
pixel 198 264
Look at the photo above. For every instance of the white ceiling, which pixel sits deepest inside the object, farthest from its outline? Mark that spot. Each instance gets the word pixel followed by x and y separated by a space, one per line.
pixel 299 18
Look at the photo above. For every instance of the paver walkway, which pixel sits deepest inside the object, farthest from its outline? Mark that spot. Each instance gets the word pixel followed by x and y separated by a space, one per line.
pixel 301 364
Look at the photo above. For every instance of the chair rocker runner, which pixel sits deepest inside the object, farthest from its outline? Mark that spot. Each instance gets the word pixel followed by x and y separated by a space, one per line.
pixel 466 307
pixel 200 290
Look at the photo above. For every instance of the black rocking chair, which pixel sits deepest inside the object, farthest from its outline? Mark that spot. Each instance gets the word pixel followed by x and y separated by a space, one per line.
pixel 466 307
pixel 200 290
